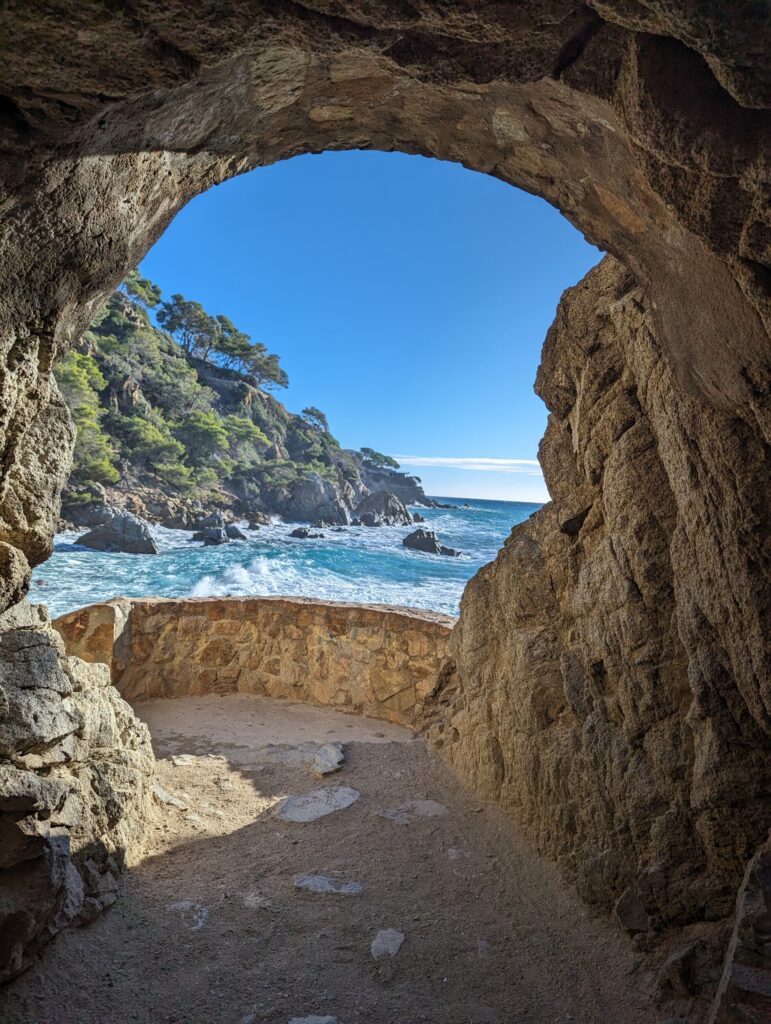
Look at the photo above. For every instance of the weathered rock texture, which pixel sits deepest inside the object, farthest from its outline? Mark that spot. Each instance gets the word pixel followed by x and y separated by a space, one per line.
pixel 744 993
pixel 609 678
pixel 373 660
pixel 74 770
pixel 616 639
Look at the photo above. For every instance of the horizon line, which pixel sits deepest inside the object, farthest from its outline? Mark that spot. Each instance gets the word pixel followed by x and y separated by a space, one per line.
pixel 483 464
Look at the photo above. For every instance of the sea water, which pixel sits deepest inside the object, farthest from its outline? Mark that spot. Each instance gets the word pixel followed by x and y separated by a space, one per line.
pixel 366 564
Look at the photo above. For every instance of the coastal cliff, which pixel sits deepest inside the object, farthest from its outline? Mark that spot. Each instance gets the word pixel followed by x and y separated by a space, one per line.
pixel 175 418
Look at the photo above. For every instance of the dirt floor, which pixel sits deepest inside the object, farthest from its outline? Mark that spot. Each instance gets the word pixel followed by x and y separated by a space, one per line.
pixel 211 928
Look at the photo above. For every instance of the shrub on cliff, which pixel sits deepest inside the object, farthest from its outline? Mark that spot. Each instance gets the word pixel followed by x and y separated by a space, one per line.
pixel 185 408
pixel 80 382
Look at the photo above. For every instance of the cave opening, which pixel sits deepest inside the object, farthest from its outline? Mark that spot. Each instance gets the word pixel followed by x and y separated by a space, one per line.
pixel 407 297
pixel 646 782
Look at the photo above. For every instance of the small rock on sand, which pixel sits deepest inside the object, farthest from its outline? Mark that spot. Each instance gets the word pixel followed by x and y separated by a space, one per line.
pixel 163 796
pixel 328 758
pixel 193 914
pixel 322 884
pixel 317 804
pixel 387 943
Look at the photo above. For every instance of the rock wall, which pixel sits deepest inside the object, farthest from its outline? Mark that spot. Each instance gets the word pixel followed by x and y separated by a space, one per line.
pixel 75 767
pixel 744 993
pixel 609 677
pixel 372 660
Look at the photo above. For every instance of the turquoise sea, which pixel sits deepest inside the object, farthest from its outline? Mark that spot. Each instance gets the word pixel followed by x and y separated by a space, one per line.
pixel 356 564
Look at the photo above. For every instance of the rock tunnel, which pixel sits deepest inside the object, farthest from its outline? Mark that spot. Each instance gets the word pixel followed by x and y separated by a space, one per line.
pixel 608 679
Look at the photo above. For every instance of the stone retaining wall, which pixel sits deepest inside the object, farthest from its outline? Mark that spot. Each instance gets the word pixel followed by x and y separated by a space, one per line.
pixel 367 659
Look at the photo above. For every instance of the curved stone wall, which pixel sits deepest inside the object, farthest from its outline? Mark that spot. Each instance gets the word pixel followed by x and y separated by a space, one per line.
pixel 368 659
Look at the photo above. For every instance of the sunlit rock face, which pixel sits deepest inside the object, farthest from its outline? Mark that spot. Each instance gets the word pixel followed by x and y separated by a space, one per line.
pixel 616 697
pixel 609 674
pixel 75 768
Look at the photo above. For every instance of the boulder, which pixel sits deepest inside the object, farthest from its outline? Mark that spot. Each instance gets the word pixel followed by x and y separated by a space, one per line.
pixel 212 520
pixel 233 532
pixel 310 499
pixel 303 533
pixel 427 540
pixel 418 518
pixel 383 509
pixel 122 532
pixel 329 758
pixel 211 535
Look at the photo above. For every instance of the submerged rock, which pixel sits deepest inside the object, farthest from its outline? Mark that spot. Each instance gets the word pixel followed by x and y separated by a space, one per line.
pixel 258 519
pixel 317 804
pixel 121 532
pixel 303 533
pixel 427 540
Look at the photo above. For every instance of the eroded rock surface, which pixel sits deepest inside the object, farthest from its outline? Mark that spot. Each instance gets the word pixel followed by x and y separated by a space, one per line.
pixel 609 675
pixel 744 993
pixel 75 767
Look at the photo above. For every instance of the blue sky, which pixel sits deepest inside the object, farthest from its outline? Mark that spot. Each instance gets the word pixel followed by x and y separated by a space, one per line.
pixel 407 298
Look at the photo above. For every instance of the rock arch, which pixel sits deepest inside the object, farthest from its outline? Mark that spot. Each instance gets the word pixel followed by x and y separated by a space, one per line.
pixel 621 630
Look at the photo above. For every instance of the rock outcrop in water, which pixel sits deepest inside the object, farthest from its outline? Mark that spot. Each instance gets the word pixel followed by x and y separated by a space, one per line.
pixel 121 531
pixel 427 541
pixel 610 679
pixel 382 509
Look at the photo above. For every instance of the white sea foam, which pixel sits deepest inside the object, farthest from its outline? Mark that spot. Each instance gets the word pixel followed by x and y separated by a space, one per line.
pixel 355 564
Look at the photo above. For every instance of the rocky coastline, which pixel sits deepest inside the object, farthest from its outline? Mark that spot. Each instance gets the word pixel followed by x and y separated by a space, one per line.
pixel 119 519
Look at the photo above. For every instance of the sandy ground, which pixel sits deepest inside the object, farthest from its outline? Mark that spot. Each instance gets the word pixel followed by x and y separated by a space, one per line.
pixel 211 929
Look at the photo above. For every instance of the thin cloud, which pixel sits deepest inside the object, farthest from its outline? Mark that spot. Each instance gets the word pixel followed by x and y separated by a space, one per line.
pixel 526 467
